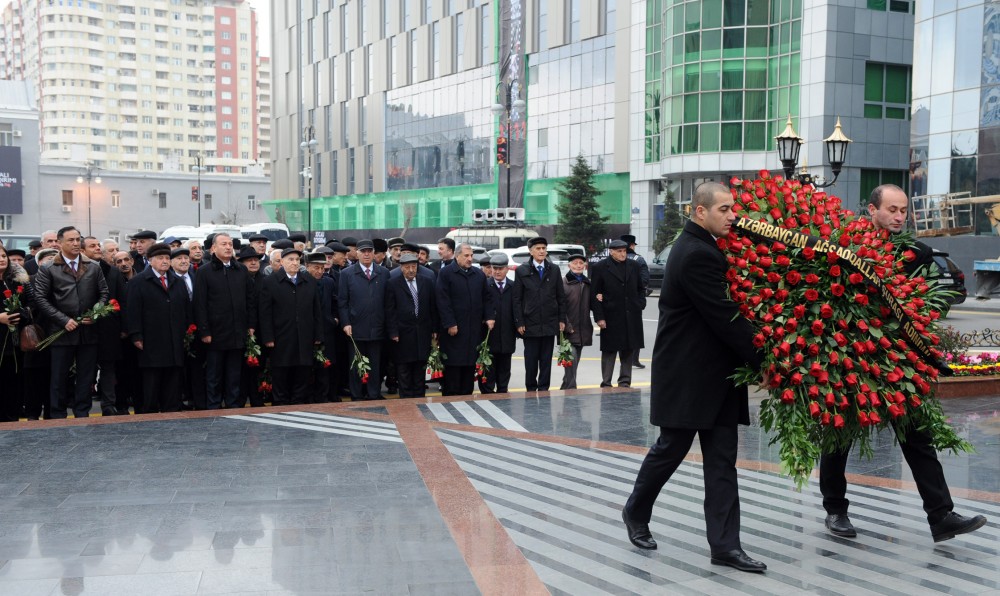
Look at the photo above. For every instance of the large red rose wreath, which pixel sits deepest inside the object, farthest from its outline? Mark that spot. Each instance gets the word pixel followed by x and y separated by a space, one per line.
pixel 849 337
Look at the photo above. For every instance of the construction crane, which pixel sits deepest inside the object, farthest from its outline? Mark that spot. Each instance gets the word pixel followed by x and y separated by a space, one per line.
pixel 952 214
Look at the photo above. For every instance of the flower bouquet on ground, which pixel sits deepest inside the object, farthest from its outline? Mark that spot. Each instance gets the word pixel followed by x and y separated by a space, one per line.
pixel 484 358
pixel 11 306
pixel 964 363
pixel 252 354
pixel 360 364
pixel 189 340
pixel 320 357
pixel 99 311
pixel 435 362
pixel 264 386
pixel 849 338
pixel 565 352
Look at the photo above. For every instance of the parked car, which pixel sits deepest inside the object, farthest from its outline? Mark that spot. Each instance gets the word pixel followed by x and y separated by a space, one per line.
pixel 951 278
pixel 656 267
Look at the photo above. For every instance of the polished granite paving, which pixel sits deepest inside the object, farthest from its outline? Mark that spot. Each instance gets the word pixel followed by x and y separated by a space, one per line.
pixel 498 495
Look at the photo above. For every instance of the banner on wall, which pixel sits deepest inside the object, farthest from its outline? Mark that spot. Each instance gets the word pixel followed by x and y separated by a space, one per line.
pixel 512 77
pixel 11 202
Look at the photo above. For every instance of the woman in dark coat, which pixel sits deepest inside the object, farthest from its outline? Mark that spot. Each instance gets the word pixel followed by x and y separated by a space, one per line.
pixel 12 277
pixel 291 324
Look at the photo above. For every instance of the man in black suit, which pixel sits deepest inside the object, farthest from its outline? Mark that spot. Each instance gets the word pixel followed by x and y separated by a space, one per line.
pixel 701 340
pixel 249 375
pixel 411 323
pixel 143 240
pixel 70 286
pixel 291 326
pixel 503 337
pixel 361 299
pixel 887 208
pixel 446 254
pixel 323 376
pixel 156 323
pixel 464 303
pixel 539 312
pixel 225 311
pixel 619 299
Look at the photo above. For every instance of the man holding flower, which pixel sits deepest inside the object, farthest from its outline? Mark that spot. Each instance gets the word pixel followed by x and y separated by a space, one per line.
pixel 700 342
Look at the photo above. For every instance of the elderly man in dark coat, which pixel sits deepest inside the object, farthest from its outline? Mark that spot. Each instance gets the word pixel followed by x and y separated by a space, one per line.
pixel 291 325
pixel 225 311
pixel 619 299
pixel 112 330
pixel 361 300
pixel 464 303
pixel 539 313
pixel 323 375
pixel 579 329
pixel 411 323
pixel 700 341
pixel 503 337
pixel 69 287
pixel 156 324
pixel 249 381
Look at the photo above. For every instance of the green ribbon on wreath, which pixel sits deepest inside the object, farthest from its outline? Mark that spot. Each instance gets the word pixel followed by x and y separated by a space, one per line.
pixel 764 231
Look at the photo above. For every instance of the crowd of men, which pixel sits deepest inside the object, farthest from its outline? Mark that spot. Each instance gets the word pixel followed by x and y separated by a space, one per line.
pixel 222 323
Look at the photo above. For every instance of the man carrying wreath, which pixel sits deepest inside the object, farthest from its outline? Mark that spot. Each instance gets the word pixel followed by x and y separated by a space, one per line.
pixel 700 342
pixel 887 209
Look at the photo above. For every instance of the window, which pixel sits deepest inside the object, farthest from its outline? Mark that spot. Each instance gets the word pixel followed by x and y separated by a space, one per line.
pixel 350 170
pixel 413 57
pixel 887 91
pixel 116 199
pixel 208 202
pixel 163 200
pixel 873 178
pixel 333 172
pixel 427 11
pixel 459 42
pixel 6 223
pixel 370 166
pixel 67 198
pixel 486 35
pixel 251 202
pixel 436 49
pixel 905 6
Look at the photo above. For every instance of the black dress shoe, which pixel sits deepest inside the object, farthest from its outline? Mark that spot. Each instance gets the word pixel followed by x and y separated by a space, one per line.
pixel 638 365
pixel 840 525
pixel 638 533
pixel 737 559
pixel 954 524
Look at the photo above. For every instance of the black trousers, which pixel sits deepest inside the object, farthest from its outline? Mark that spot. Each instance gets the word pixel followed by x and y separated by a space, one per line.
pixel 459 380
pixel 63 357
pixel 410 376
pixel 722 500
pixel 371 390
pixel 291 384
pixel 37 376
pixel 249 382
pixel 222 377
pixel 923 462
pixel 161 389
pixel 322 386
pixel 538 362
pixel 107 384
pixel 498 377
pixel 195 385
pixel 12 372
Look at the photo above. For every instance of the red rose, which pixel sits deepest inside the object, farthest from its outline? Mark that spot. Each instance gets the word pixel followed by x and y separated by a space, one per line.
pixel 861 299
pixel 7 293
pixel 814 349
pixel 796 378
pixel 817 327
pixel 826 311
pixel 837 289
pixel 855 278
pixel 808 253
pixel 851 379
pixel 781 295
pixel 782 261
pixel 787 396
pixel 826 419
pixel 862 325
pixel 759 340
pixel 838 421
pixel 814 409
pixel 915 400
pixel 20 289
pixel 793 277
pixel 863 419
pixel 874 418
pixel 798 311
pixel 812 295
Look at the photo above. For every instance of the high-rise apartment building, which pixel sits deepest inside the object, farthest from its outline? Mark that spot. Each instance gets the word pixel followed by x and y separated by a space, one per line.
pixel 264 109
pixel 144 86
pixel 658 95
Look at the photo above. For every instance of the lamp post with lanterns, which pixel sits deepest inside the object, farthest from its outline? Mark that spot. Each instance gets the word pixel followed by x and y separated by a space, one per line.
pixel 197 193
pixel 90 174
pixel 789 144
pixel 309 146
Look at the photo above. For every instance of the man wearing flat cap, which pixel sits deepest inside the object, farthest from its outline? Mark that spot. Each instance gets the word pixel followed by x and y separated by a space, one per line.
pixel 143 240
pixel 618 303
pixel 395 250
pixel 249 382
pixel 464 305
pixel 259 243
pixel 411 323
pixel 503 337
pixel 323 376
pixel 539 312
pixel 362 317
pixel 629 239
pixel 422 271
pixel 156 321
pixel 291 326
pixel 352 249
pixel 299 242
pixel 340 384
pixel 225 311
pixel 381 248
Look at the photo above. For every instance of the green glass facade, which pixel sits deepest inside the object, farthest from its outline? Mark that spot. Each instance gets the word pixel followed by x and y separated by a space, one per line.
pixel 730 73
pixel 442 207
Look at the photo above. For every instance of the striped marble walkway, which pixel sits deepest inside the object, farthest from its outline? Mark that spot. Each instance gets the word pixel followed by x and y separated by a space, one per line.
pixel 337 425
pixel 484 414
pixel 562 507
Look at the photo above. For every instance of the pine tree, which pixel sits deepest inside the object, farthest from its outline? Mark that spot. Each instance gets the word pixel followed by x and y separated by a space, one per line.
pixel 580 222
pixel 669 226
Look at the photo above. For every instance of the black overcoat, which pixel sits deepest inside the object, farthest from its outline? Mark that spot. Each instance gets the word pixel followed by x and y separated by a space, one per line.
pixel 700 340
pixel 624 298
pixel 414 332
pixel 539 302
pixel 111 327
pixel 463 300
pixel 291 317
pixel 328 306
pixel 362 301
pixel 158 318
pixel 225 306
pixel 503 338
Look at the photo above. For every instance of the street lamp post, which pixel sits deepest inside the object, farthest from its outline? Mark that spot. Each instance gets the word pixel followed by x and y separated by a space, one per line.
pixel 789 144
pixel 198 168
pixel 505 105
pixel 90 174
pixel 309 146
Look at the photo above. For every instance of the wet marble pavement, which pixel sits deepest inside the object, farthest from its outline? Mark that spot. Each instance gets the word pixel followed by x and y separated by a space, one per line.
pixel 508 495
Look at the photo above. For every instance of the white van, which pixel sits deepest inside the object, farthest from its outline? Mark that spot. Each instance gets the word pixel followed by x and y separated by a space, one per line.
pixel 273 231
